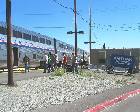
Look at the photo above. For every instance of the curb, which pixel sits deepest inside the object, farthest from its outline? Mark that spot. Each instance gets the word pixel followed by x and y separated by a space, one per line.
pixel 109 103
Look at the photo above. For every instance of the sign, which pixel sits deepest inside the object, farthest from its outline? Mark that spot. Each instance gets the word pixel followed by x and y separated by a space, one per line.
pixel 123 61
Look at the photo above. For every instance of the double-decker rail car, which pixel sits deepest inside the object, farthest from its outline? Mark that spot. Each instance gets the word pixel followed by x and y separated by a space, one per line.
pixel 32 44
pixel 24 42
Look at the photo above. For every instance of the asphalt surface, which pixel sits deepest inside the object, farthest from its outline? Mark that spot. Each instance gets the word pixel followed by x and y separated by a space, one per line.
pixel 131 104
pixel 90 101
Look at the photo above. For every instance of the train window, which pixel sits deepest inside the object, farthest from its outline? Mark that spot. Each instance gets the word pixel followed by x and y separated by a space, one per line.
pixel 42 40
pixel 2 30
pixel 19 55
pixel 14 33
pixel 17 34
pixel 48 42
pixel 71 48
pixel 34 56
pixel 35 39
pixel 61 45
pixel 26 36
pixel 65 47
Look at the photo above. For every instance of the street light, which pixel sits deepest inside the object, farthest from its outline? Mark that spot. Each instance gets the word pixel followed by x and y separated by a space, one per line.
pixel 69 32
pixel 89 42
pixel 89 49
pixel 79 32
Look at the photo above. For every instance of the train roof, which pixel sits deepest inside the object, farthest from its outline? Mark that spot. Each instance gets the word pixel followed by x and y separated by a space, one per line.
pixel 23 30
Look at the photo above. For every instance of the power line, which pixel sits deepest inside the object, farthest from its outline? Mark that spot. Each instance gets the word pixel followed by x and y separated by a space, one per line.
pixel 49 27
pixel 124 27
pixel 66 7
pixel 37 14
pixel 102 27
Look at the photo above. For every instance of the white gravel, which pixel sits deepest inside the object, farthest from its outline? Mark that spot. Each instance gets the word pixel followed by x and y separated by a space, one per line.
pixel 45 91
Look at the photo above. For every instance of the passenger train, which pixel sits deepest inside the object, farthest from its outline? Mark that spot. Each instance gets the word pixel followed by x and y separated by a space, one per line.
pixel 32 44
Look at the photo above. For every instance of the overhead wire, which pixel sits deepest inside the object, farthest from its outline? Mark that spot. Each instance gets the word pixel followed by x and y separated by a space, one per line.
pixel 70 8
pixel 105 27
pixel 100 26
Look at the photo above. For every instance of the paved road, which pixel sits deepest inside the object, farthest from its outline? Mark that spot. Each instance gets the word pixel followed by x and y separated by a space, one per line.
pixel 132 104
pixel 90 101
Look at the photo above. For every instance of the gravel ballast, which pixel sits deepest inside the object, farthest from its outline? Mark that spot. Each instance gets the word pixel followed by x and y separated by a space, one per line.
pixel 44 91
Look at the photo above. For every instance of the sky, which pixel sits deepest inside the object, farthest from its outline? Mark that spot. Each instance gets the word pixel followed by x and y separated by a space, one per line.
pixel 114 22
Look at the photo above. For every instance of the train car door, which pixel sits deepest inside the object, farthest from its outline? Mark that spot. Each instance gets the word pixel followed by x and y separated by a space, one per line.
pixel 15 54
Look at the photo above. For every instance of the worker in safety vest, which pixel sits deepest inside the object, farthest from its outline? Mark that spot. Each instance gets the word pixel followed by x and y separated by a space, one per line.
pixel 64 61
pixel 49 62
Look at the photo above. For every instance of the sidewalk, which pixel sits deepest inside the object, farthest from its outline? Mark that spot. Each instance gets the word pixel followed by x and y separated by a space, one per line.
pixel 22 76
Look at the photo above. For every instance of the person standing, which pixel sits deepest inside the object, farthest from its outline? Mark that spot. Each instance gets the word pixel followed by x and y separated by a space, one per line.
pixel 45 60
pixel 26 62
pixel 56 61
pixel 64 61
pixel 53 60
pixel 49 62
pixel 76 64
pixel 73 62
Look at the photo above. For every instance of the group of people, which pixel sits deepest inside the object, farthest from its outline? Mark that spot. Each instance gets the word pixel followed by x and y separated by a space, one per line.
pixel 51 62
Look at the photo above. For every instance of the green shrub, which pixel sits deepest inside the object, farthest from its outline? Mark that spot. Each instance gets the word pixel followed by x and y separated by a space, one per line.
pixel 81 72
pixel 59 72
pixel 51 78
pixel 121 81
pixel 86 73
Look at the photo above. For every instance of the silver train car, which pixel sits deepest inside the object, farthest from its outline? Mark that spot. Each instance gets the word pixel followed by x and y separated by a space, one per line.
pixel 32 44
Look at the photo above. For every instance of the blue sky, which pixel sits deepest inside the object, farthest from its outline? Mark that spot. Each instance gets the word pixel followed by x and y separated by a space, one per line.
pixel 115 22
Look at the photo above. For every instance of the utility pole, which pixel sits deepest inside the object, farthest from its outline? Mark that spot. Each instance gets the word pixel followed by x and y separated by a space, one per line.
pixel 75 32
pixel 89 35
pixel 83 55
pixel 9 44
pixel 90 42
pixel 75 28
pixel 55 49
